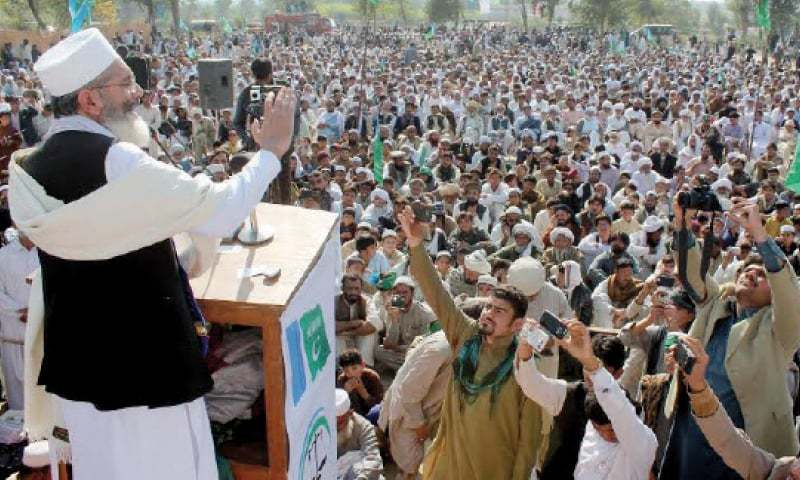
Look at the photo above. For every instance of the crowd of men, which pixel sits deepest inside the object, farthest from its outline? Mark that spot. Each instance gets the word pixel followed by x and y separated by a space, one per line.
pixel 483 179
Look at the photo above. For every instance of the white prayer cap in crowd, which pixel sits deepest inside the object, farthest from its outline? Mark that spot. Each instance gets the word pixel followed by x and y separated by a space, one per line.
pixel 487 280
pixel 619 106
pixel 443 253
pixel 342 402
pixel 607 104
pixel 652 224
pixel 787 229
pixel 637 143
pixel 388 233
pixel 379 193
pixel 339 168
pixel 215 168
pixel 364 225
pixel 4 108
pixel 356 160
pixel 361 170
pixel 513 210
pixel 527 274
pixel 484 139
pixel 177 148
pixel 477 262
pixel 722 183
pixel 538 149
pixel 522 229
pixel 36 454
pixel 75 61
pixel 405 280
pixel 559 231
pixel 644 161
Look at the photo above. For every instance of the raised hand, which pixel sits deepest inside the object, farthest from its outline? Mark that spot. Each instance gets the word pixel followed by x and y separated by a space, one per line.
pixel 273 132
pixel 411 228
pixel 746 215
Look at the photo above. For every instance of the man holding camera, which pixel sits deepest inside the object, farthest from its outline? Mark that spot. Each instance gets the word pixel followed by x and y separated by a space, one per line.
pixel 750 331
pixel 402 319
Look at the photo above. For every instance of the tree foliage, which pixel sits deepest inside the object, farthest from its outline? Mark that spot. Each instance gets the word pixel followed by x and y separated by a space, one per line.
pixel 742 11
pixel 444 10
pixel 784 15
pixel 602 14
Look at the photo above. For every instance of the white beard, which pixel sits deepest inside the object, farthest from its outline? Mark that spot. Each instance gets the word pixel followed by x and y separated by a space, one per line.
pixel 130 128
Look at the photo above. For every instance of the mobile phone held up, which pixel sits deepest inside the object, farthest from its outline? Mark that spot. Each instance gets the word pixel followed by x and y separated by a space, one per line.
pixel 553 325
pixel 665 281
pixel 684 357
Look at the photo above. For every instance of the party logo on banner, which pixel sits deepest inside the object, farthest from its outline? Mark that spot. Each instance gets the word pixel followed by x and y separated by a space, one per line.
pixel 315 340
pixel 308 346
pixel 315 447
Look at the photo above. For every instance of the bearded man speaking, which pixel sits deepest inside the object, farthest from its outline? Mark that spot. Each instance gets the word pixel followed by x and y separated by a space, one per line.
pixel 115 345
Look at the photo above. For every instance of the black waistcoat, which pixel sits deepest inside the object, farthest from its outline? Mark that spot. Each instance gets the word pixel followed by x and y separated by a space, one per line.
pixel 119 332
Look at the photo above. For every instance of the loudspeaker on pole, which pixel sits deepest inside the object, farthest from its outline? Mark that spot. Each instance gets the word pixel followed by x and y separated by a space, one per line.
pixel 216 83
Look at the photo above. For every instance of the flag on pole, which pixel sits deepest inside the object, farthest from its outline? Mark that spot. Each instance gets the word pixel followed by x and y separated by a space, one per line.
pixel 431 31
pixel 374 3
pixel 377 156
pixel 793 179
pixel 226 26
pixel 80 11
pixel 762 15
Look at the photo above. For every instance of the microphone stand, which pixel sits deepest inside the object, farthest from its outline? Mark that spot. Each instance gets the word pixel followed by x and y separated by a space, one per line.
pixel 154 135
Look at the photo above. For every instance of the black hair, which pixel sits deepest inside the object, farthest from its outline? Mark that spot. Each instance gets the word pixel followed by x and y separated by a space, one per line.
pixel 609 350
pixel 364 242
pixel 350 277
pixel 261 68
pixel 595 413
pixel 513 296
pixel 349 358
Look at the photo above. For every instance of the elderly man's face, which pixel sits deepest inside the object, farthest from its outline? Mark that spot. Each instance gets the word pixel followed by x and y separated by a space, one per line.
pixel 119 95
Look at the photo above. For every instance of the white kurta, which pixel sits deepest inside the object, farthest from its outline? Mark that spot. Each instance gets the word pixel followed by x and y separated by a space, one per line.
pixel 16 264
pixel 171 443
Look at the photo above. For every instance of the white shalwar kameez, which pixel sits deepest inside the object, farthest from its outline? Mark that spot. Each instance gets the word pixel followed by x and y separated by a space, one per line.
pixel 169 443
pixel 16 264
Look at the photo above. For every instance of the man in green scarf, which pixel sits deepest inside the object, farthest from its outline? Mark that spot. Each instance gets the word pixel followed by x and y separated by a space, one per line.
pixel 488 429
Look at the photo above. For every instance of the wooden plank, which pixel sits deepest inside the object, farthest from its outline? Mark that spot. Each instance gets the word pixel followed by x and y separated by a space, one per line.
pixel 300 236
pixel 274 399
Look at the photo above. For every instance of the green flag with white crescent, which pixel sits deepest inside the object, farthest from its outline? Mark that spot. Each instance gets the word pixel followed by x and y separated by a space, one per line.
pixel 762 15
pixel 793 178
pixel 377 157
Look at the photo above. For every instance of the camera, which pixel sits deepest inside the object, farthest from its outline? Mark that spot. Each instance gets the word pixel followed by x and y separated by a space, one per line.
pixel 700 198
pixel 398 301
pixel 257 95
pixel 423 211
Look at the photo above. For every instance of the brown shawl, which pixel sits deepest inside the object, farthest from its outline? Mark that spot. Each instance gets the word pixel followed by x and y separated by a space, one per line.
pixel 621 295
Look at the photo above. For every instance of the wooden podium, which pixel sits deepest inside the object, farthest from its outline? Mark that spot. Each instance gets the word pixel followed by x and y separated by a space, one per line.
pixel 300 237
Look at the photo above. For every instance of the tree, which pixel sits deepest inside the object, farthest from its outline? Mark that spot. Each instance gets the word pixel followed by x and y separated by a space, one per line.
pixel 643 12
pixel 35 12
pixel 523 6
pixel 175 7
pixel 716 18
pixel 441 11
pixel 603 14
pixel 783 15
pixel 742 11
pixel 549 7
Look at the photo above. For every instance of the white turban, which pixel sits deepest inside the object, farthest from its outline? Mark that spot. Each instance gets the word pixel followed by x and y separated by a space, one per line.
pixel 477 262
pixel 379 193
pixel 342 402
pixel 561 231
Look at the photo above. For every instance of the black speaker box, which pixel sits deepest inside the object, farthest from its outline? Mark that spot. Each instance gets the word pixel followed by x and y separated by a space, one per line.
pixel 216 83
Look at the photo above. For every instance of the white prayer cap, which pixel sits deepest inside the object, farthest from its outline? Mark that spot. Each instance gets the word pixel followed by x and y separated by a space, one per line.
pixel 477 262
pixel 405 280
pixel 513 209
pixel 489 280
pixel 379 193
pixel 787 229
pixel 561 231
pixel 342 402
pixel 388 233
pixel 522 229
pixel 75 61
pixel 527 274
pixel 652 224
pixel 645 161
pixel 4 108
pixel 722 183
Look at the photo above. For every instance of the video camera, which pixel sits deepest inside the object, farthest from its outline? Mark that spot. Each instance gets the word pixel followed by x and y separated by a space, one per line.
pixel 258 93
pixel 700 198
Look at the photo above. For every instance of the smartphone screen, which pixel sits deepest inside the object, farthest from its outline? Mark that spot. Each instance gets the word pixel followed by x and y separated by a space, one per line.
pixel 553 325
pixel 665 281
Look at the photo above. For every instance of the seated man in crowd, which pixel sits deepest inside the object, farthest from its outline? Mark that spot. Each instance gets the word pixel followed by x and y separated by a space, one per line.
pixel 353 329
pixel 363 384
pixel 359 457
pixel 401 321
pixel 463 279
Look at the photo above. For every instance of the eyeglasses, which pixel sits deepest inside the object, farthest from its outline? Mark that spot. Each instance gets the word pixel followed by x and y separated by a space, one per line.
pixel 126 85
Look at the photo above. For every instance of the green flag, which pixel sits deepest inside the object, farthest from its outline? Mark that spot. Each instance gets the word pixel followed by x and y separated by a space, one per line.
pixel 226 26
pixel 431 32
pixel 374 3
pixel 762 15
pixel 377 157
pixel 315 341
pixel 793 179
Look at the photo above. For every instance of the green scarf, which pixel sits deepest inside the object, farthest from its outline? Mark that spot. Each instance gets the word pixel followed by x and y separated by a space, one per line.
pixel 466 364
